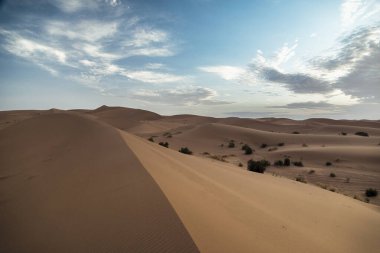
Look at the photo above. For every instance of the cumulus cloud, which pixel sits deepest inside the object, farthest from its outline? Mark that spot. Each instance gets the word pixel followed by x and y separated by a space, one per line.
pixel 153 77
pixel 179 96
pixel 298 83
pixel 352 68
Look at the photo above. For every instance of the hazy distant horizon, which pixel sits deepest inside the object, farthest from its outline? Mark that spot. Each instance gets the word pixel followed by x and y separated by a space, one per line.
pixel 252 59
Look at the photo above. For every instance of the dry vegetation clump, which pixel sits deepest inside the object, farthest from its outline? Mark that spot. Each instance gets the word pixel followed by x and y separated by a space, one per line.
pixel 362 134
pixel 301 179
pixel 257 166
pixel 371 192
pixel 164 144
pixel 185 150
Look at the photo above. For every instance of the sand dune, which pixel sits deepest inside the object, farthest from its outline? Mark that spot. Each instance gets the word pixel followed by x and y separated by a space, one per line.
pixel 230 210
pixel 70 184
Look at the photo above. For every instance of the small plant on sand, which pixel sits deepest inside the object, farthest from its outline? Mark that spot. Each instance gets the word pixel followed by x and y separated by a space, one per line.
pixel 311 172
pixel 272 149
pixel 343 133
pixel 240 165
pixel 186 151
pixel 164 144
pixel 328 163
pixel 296 132
pixel 286 162
pixel 248 150
pixel 347 180
pixel 257 166
pixel 231 144
pixel 298 164
pixel 264 145
pixel 304 145
pixel 362 134
pixel 371 192
pixel 332 174
pixel 280 144
pixel 279 163
pixel 151 139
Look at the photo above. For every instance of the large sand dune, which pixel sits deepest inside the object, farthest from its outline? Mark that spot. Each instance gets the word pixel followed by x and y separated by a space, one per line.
pixel 70 184
pixel 73 182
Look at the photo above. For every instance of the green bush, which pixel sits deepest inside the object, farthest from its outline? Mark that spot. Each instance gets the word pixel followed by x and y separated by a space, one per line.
pixel 186 151
pixel 370 192
pixel 257 166
pixel 164 144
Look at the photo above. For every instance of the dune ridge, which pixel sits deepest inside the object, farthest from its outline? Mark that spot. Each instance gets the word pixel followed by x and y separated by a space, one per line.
pixel 70 184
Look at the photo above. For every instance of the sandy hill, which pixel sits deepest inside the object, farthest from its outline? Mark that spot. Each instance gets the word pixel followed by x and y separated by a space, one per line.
pixel 74 182
pixel 70 184
pixel 123 118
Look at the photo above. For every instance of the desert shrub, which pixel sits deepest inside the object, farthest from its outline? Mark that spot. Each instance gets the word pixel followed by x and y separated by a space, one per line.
pixel 231 144
pixel 286 162
pixel 332 189
pixel 257 166
pixel 272 149
pixel 301 179
pixel 151 139
pixel 248 150
pixel 332 174
pixel 296 132
pixel 343 133
pixel 280 144
pixel 298 164
pixel 240 165
pixel 206 153
pixel 328 164
pixel 186 151
pixel 362 134
pixel 264 145
pixel 279 163
pixel 164 144
pixel 371 192
pixel 347 180
pixel 311 171
pixel 304 145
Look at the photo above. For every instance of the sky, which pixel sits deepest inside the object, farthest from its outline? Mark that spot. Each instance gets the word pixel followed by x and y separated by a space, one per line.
pixel 243 58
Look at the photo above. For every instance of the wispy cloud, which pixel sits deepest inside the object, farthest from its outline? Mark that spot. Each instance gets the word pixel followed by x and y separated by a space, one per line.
pixel 185 96
pixel 357 12
pixel 307 105
pixel 93 48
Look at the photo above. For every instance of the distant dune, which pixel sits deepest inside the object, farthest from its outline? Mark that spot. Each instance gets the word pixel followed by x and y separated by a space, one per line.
pixel 90 181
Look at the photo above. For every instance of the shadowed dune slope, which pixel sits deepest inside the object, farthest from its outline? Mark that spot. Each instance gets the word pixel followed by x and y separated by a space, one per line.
pixel 226 209
pixel 71 184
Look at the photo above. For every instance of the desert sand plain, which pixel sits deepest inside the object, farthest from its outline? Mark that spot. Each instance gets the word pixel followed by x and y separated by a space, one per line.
pixel 91 181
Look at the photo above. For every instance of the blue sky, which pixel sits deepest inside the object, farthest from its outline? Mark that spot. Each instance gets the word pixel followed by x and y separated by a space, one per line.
pixel 272 58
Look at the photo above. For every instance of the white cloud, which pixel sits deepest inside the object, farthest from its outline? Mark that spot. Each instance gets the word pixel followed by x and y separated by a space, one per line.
pixel 32 50
pixel 146 36
pixel 153 77
pixel 355 12
pixel 193 95
pixel 155 66
pixel 86 30
pixel 224 71
pixel 71 6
